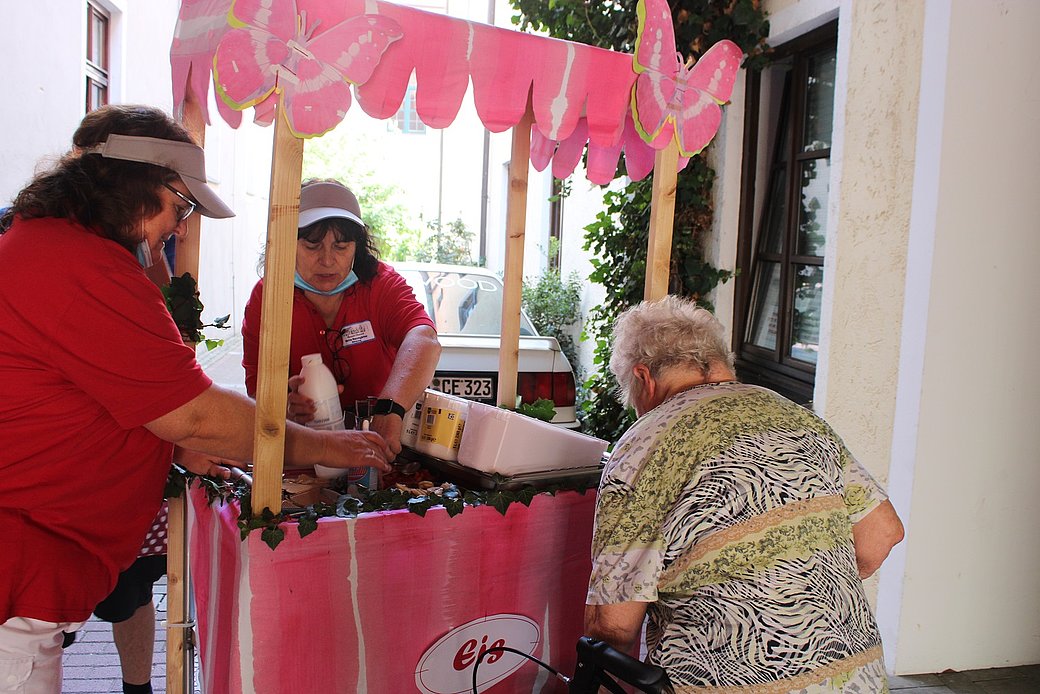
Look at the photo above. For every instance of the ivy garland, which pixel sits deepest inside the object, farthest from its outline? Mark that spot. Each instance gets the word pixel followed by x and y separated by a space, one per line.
pixel 452 498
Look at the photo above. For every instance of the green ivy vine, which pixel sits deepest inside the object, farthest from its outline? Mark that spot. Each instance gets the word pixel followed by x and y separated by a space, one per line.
pixel 272 526
pixel 618 236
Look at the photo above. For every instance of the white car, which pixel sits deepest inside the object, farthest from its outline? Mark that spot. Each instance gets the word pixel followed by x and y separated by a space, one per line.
pixel 466 306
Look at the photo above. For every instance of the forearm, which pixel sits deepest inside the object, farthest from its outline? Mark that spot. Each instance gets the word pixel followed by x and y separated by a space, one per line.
pixel 218 422
pixel 618 625
pixel 874 536
pixel 413 367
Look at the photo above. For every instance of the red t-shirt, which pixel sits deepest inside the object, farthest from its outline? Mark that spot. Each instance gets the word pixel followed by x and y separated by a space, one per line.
pixel 377 315
pixel 88 355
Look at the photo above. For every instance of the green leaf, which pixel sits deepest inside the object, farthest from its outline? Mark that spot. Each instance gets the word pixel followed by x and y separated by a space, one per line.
pixel 500 500
pixel 541 408
pixel 453 506
pixel 525 495
pixel 307 525
pixel 272 537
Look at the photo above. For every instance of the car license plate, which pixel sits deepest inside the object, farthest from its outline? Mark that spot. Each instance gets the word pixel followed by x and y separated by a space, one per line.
pixel 473 388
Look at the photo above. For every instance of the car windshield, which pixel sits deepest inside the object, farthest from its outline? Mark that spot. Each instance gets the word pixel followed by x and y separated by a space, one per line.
pixel 462 303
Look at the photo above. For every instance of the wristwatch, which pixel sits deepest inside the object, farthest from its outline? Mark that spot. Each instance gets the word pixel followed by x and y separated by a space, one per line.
pixel 388 406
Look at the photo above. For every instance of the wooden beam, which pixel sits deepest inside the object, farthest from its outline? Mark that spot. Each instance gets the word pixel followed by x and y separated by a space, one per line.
pixel 276 318
pixel 662 217
pixel 178 647
pixel 516 222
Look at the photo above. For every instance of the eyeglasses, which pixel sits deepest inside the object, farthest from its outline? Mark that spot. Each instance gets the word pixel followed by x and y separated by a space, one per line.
pixel 340 365
pixel 182 214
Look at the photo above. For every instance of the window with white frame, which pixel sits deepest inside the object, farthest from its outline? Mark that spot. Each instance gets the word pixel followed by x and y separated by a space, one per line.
pixel 97 58
pixel 407 117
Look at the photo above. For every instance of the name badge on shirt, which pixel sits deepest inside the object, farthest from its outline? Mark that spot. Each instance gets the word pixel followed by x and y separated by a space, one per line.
pixel 357 333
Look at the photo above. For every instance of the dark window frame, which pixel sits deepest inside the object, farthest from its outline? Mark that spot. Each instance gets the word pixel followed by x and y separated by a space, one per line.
pixel 775 369
pixel 97 63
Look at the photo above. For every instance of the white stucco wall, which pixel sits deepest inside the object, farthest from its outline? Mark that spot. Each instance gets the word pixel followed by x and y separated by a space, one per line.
pixel 44 93
pixel 44 102
pixel 872 167
pixel 971 562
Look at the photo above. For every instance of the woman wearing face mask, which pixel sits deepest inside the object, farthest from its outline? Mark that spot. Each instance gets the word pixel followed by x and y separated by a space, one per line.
pixel 96 385
pixel 354 310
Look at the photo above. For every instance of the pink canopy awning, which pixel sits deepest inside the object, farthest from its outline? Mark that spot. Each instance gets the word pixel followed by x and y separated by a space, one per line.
pixel 311 54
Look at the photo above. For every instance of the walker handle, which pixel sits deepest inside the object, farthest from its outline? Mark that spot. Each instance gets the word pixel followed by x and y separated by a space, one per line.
pixel 596 658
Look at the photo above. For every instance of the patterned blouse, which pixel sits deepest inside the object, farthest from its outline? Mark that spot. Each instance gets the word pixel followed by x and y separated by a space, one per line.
pixel 729 509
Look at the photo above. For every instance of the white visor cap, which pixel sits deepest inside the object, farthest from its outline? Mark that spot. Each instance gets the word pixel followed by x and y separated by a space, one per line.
pixel 188 160
pixel 320 201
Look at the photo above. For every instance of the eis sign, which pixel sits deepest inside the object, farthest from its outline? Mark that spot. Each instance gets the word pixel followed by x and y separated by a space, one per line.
pixel 447 666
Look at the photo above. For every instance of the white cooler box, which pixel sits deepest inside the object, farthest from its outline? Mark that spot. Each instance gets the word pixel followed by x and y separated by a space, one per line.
pixel 506 443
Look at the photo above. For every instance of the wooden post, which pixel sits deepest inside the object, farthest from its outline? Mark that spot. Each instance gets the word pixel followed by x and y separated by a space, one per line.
pixel 276 318
pixel 516 221
pixel 177 577
pixel 662 217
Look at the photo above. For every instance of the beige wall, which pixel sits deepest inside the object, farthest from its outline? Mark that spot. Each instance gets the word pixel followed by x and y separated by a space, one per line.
pixel 879 54
pixel 929 322
pixel 971 582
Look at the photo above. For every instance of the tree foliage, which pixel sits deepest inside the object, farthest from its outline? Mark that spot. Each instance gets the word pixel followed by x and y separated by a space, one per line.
pixel 553 303
pixel 618 237
pixel 351 160
pixel 448 243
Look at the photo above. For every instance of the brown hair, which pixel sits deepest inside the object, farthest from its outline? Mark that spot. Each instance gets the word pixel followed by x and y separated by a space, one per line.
pixel 109 196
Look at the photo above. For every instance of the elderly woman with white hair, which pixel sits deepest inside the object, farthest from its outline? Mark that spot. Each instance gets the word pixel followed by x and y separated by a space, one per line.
pixel 734 520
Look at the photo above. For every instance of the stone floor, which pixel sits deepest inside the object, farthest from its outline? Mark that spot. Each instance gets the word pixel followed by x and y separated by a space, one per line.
pixel 1002 680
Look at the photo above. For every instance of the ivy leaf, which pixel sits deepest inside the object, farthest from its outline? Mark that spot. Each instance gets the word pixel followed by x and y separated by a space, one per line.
pixel 342 505
pixel 453 506
pixel 272 537
pixel 307 525
pixel 500 500
pixel 418 505
pixel 525 495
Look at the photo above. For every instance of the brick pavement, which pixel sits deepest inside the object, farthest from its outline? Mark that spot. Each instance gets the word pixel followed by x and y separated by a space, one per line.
pixel 91 664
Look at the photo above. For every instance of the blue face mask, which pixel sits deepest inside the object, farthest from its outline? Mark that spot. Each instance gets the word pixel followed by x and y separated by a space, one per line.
pixel 144 255
pixel 349 281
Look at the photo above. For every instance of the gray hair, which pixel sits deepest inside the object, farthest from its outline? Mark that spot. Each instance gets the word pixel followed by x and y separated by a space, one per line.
pixel 668 332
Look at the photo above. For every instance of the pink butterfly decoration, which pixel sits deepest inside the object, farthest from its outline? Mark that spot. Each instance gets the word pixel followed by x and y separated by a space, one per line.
pixel 274 50
pixel 670 97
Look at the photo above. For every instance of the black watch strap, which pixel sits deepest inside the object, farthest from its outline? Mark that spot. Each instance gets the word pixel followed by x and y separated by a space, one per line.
pixel 388 406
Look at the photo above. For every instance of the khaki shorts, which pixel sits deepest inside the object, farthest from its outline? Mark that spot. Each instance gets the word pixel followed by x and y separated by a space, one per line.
pixel 30 655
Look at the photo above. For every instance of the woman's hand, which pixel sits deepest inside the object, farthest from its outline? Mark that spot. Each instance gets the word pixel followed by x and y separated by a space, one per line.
pixel 352 448
pixel 204 464
pixel 299 408
pixel 389 426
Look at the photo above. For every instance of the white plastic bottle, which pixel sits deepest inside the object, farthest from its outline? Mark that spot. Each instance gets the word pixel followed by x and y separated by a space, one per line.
pixel 320 386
